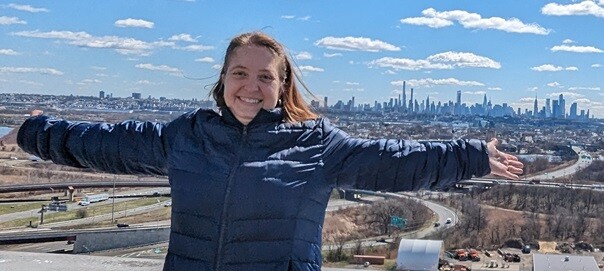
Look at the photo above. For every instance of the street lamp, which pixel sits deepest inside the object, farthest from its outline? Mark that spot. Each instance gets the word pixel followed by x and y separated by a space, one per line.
pixel 113 201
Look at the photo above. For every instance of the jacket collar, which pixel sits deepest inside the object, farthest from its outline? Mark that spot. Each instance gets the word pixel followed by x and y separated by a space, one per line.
pixel 263 116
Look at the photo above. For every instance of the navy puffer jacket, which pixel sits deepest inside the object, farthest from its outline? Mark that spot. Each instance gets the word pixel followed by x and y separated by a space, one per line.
pixel 251 197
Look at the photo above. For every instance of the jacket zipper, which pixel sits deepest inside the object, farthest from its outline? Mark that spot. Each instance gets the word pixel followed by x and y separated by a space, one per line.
pixel 227 193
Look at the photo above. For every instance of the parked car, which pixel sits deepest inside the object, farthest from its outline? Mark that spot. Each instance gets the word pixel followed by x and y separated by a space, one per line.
pixel 168 203
pixel 449 220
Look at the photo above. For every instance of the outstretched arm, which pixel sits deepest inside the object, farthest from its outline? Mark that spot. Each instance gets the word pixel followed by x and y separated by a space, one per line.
pixel 402 165
pixel 129 147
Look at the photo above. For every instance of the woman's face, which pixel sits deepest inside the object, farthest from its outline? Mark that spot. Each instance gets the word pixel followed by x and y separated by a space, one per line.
pixel 251 82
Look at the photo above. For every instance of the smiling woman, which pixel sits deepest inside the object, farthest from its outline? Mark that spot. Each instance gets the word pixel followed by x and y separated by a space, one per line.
pixel 250 181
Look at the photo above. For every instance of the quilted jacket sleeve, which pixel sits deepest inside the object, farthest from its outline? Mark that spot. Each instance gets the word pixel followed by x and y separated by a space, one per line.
pixel 400 165
pixel 129 147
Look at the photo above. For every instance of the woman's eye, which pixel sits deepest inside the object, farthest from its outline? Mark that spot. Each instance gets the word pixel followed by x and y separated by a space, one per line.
pixel 238 74
pixel 266 78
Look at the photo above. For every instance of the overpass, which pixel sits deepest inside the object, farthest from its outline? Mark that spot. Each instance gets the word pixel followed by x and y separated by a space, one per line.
pixel 81 184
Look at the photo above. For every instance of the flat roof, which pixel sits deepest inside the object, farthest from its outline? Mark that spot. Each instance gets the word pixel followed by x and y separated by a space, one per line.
pixel 564 262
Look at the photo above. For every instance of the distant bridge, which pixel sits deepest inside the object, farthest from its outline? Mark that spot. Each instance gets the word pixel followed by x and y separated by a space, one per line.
pixel 81 184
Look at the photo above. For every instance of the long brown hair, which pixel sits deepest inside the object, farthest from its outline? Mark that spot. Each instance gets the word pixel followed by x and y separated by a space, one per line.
pixel 294 107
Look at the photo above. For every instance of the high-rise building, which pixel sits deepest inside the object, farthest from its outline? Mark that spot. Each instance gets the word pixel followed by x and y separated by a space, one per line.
pixel 562 105
pixel 101 94
pixel 136 95
pixel 404 98
pixel 325 101
pixel 548 108
pixel 411 101
pixel 573 111
pixel 535 108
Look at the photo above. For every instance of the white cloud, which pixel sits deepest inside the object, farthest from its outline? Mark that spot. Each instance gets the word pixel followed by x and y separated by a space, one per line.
pixel 494 88
pixel 98 68
pixel 4 20
pixel 134 23
pixel 475 92
pixel 331 55
pixel 352 83
pixel 143 82
pixel 389 72
pixel 576 49
pixel 299 18
pixel 436 19
pixel 195 48
pixel 355 44
pixel 89 81
pixel 217 67
pixel 567 41
pixel 596 65
pixel 206 59
pixel 408 64
pixel 554 84
pixel 83 39
pixel 584 88
pixel 430 22
pixel 310 69
pixel 582 8
pixel 532 89
pixel 27 8
pixel 442 61
pixel 461 59
pixel 182 37
pixel 303 56
pixel 49 71
pixel 161 68
pixel 567 95
pixel 552 68
pixel 9 52
pixel 429 82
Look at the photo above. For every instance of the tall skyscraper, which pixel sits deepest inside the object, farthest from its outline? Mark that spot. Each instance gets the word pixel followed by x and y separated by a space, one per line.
pixel 548 108
pixel 457 110
pixel 101 94
pixel 325 101
pixel 535 107
pixel 573 111
pixel 562 106
pixel 404 105
pixel 411 101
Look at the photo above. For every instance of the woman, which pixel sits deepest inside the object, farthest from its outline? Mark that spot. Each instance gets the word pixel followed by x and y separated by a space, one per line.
pixel 251 182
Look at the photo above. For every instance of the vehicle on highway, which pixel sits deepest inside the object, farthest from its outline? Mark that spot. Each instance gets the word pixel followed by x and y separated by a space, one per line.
pixel 168 203
pixel 449 220
pixel 86 200
pixel 436 224
pixel 122 225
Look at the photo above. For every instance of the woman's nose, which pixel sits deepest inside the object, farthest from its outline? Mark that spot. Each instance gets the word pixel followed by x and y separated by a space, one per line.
pixel 251 84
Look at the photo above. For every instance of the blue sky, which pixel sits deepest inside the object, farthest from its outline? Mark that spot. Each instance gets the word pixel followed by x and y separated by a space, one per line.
pixel 512 51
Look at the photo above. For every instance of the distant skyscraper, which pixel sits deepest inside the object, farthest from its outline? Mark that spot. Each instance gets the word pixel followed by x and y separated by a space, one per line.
pixel 555 109
pixel 535 107
pixel 573 111
pixel 101 94
pixel 562 105
pixel 484 101
pixel 548 108
pixel 457 110
pixel 411 101
pixel 136 95
pixel 325 101
pixel 404 98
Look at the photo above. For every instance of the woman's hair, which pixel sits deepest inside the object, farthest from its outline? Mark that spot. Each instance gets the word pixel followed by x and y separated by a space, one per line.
pixel 294 107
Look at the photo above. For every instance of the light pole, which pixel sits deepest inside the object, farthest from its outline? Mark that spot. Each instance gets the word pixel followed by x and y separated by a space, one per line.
pixel 113 201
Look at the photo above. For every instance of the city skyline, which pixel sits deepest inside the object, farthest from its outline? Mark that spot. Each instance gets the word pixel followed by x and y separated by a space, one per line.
pixel 510 51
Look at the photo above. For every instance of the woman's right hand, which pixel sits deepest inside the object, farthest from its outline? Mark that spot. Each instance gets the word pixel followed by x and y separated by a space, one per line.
pixel 36 112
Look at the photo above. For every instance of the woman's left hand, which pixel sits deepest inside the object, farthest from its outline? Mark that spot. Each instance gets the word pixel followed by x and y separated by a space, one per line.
pixel 503 164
